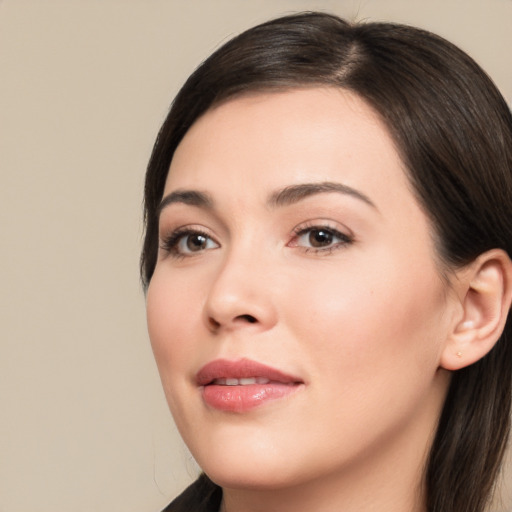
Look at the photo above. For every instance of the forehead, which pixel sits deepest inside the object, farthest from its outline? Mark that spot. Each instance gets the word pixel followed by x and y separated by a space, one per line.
pixel 284 138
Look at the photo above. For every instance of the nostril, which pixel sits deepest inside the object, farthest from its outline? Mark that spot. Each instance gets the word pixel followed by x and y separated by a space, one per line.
pixel 213 323
pixel 247 318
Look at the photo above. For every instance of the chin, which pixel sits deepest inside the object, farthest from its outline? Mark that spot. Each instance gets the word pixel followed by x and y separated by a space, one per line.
pixel 256 469
pixel 248 478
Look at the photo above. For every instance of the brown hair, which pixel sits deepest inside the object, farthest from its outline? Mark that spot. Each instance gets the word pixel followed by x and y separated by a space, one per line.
pixel 453 131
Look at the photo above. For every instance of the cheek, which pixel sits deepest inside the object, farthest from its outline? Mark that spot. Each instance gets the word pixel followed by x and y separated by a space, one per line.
pixel 172 317
pixel 379 315
pixel 373 342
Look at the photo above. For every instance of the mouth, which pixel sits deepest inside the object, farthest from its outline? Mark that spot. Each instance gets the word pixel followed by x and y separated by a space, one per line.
pixel 242 385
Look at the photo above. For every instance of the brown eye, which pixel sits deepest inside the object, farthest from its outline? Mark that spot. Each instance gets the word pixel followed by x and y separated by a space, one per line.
pixel 196 242
pixel 320 238
pixel 188 242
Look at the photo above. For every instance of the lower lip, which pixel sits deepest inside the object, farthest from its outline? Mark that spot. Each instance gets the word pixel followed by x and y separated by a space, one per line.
pixel 245 398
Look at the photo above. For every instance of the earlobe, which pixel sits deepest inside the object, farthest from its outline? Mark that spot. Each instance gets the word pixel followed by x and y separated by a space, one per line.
pixel 486 294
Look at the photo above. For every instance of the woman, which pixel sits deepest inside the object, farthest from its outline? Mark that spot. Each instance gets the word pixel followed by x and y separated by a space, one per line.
pixel 327 269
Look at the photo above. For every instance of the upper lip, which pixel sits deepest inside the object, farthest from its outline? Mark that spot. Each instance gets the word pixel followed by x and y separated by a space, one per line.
pixel 239 369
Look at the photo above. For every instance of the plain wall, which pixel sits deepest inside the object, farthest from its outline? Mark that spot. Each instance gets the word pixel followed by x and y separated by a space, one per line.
pixel 84 86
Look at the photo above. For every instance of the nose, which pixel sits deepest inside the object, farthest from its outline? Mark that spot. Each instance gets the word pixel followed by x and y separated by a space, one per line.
pixel 241 296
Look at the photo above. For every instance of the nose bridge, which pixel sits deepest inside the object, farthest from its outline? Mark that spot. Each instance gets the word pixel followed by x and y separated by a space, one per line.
pixel 241 293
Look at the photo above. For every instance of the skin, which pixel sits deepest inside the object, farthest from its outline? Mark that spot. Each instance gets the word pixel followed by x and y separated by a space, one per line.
pixel 363 322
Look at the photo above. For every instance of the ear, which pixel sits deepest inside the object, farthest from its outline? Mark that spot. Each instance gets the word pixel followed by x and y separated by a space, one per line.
pixel 485 290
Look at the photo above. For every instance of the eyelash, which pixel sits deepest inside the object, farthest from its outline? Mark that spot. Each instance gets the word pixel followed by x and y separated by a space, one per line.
pixel 170 244
pixel 305 229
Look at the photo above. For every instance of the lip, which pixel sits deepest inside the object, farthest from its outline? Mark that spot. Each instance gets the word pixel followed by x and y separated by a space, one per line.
pixel 271 384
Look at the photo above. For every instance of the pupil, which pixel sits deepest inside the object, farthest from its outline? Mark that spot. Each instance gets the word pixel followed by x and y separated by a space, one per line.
pixel 320 238
pixel 196 242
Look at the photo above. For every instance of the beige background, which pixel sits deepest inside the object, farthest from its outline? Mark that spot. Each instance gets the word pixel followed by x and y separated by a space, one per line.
pixel 84 86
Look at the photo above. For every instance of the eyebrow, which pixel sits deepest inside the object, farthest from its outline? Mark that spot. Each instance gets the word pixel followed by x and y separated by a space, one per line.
pixel 190 197
pixel 295 193
pixel 283 197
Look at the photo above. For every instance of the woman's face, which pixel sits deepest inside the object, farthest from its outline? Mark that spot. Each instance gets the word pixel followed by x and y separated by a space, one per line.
pixel 296 312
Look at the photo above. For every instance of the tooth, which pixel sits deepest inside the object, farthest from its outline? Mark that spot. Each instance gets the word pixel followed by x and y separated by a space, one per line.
pixel 244 381
pixel 248 380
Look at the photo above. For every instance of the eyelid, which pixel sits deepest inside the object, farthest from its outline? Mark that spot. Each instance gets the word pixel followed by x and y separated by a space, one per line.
pixel 327 224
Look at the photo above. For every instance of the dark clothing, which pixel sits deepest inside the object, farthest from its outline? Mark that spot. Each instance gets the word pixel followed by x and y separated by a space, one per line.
pixel 201 496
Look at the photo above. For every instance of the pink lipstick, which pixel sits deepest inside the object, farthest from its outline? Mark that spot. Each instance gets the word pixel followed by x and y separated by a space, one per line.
pixel 239 386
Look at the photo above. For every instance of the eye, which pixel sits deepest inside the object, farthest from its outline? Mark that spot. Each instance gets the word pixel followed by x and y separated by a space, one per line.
pixel 188 242
pixel 320 238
